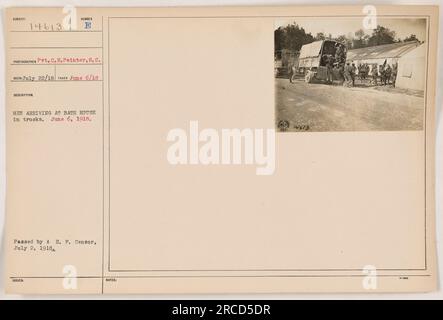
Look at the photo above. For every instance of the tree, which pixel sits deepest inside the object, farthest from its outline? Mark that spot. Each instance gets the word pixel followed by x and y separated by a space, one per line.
pixel 346 40
pixel 320 36
pixel 359 34
pixel 278 39
pixel 291 37
pixel 381 35
pixel 296 37
pixel 360 39
pixel 412 37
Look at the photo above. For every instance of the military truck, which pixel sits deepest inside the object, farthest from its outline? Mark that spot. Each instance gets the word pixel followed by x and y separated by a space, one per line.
pixel 314 57
pixel 284 61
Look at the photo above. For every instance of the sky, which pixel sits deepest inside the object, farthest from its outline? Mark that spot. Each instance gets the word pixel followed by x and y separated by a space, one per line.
pixel 403 27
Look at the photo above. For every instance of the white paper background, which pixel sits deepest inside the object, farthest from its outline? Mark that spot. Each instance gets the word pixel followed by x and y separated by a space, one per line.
pixel 163 3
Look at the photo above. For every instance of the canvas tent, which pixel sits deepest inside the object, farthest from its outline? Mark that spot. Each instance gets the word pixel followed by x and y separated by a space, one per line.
pixel 411 69
pixel 378 54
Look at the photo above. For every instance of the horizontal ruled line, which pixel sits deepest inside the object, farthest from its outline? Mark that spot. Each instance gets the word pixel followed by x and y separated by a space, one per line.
pixel 56 277
pixel 262 16
pixel 229 276
pixel 56 81
pixel 56 64
pixel 47 31
pixel 56 48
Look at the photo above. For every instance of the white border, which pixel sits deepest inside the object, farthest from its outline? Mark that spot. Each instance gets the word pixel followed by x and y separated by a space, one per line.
pixel 167 3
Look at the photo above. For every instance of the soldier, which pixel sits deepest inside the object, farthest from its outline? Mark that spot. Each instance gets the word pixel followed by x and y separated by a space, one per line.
pixel 329 67
pixel 292 74
pixel 388 72
pixel 374 73
pixel 381 70
pixel 361 71
pixel 340 54
pixel 340 72
pixel 347 74
pixel 366 70
pixel 394 73
pixel 353 69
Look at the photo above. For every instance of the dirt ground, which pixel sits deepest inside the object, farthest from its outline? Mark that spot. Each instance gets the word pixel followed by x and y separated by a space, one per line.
pixel 322 107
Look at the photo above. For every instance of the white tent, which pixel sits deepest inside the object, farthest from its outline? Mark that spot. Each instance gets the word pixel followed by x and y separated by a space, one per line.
pixel 411 69
pixel 390 53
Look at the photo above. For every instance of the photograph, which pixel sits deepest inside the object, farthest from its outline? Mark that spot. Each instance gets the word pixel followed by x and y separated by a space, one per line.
pixel 333 74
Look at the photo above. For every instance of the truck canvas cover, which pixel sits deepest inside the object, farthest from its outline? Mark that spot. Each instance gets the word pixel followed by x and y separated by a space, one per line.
pixel 311 50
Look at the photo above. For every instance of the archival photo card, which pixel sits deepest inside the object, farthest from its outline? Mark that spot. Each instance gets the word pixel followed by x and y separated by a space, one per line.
pixel 220 150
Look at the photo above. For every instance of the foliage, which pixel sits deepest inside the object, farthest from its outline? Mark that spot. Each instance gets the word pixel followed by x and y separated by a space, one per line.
pixel 381 35
pixel 292 37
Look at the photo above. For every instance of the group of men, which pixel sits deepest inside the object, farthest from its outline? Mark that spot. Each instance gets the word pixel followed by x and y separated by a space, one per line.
pixel 349 74
pixel 385 72
pixel 338 61
pixel 335 61
pixel 348 71
pixel 363 70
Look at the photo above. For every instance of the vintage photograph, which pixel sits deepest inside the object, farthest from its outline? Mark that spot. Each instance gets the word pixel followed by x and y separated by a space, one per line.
pixel 335 74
